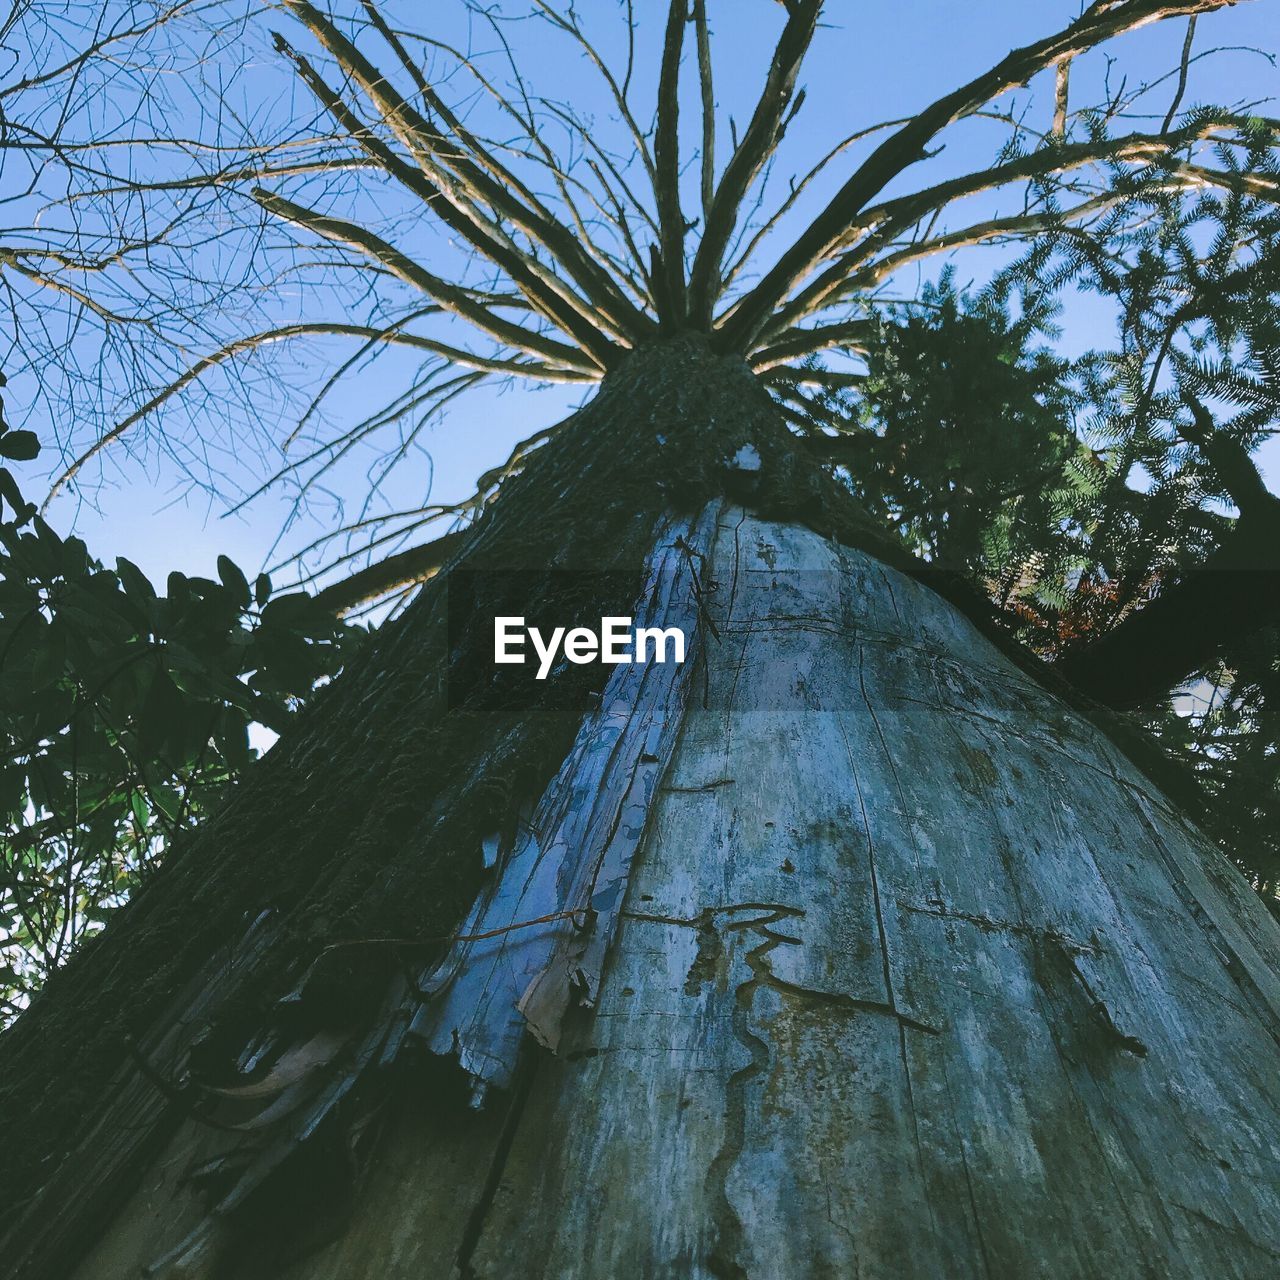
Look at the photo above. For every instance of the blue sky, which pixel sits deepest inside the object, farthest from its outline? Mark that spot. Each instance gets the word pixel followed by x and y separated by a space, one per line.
pixel 875 60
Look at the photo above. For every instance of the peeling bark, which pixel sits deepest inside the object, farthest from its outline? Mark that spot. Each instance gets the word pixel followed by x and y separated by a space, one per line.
pixel 573 857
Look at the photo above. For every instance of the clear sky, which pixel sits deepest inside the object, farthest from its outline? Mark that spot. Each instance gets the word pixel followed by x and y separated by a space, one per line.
pixel 876 59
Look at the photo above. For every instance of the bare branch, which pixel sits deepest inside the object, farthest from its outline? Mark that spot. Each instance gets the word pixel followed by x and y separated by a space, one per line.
pixel 707 87
pixel 666 153
pixel 562 178
pixel 763 133
pixel 851 335
pixel 546 291
pixel 13 260
pixel 391 335
pixel 515 459
pixel 450 296
pixel 816 376
pixel 618 92
pixel 893 217
pixel 496 190
pixel 1061 90
pixel 165 14
pixel 1184 66
pixel 1017 227
pixel 1101 21
pixel 405 568
pixel 797 190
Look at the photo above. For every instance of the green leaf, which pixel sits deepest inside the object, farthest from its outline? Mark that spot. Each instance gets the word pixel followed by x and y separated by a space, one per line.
pixel 168 801
pixel 21 446
pixel 135 583
pixel 17 597
pixel 11 494
pixel 162 721
pixel 50 665
pixel 13 789
pixel 234 580
pixel 298 612
pixel 200 679
pixel 262 589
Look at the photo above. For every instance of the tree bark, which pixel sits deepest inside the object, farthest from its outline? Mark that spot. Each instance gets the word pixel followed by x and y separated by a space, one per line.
pixel 862 953
pixel 916 975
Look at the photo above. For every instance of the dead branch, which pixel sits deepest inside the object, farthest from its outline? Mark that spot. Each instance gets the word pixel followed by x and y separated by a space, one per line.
pixel 798 188
pixel 1101 21
pixel 759 141
pixel 1061 90
pixel 666 153
pixel 405 568
pixel 851 335
pixel 617 91
pixel 495 188
pixel 1017 227
pixel 448 295
pixel 707 87
pixel 552 298
pixel 892 218
pixel 1184 66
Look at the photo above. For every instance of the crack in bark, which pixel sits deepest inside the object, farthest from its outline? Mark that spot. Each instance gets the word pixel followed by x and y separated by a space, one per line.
pixel 699 789
pixel 1098 1009
pixel 523 1086
pixel 993 924
pixel 838 1000
pixel 710 953
pixel 722 1261
pixel 723 1258
pixel 776 911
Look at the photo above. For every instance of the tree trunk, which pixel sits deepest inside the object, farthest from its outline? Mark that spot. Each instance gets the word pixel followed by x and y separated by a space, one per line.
pixel 861 954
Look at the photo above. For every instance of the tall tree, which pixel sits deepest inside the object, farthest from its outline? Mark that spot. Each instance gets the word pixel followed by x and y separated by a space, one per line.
pixel 859 943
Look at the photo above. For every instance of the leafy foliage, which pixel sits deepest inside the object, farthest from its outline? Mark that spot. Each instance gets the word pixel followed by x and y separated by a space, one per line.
pixel 1178 408
pixel 1194 281
pixel 1227 725
pixel 124 717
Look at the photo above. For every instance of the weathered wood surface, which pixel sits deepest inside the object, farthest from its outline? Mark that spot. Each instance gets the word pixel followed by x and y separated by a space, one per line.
pixel 917 976
pixel 571 860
